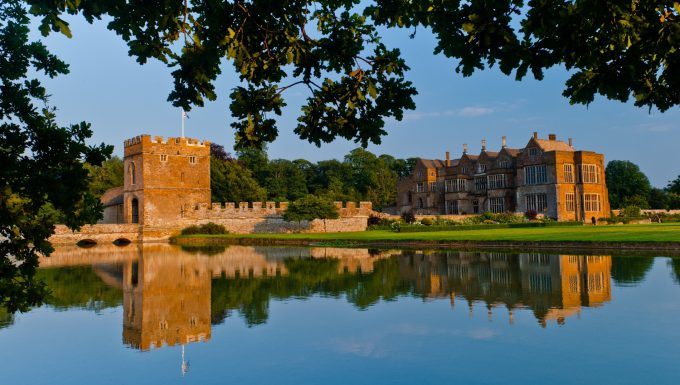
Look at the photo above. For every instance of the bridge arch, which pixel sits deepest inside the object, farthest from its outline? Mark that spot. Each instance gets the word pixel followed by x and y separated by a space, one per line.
pixel 122 241
pixel 87 242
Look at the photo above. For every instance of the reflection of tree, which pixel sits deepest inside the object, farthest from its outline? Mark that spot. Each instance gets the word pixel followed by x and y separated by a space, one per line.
pixel 306 277
pixel 675 269
pixel 204 250
pixel 6 318
pixel 80 287
pixel 630 270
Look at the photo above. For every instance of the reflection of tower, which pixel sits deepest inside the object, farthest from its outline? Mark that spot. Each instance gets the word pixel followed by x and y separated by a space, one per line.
pixel 185 364
pixel 166 300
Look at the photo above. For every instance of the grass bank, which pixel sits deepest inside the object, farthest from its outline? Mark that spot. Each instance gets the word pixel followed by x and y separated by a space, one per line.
pixel 654 236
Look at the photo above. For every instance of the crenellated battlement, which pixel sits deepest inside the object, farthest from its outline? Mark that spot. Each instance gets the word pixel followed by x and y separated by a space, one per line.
pixel 232 210
pixel 148 140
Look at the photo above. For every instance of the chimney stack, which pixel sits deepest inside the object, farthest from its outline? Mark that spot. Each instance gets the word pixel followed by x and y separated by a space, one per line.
pixel 570 143
pixel 503 142
pixel 535 135
pixel 448 159
pixel 483 144
pixel 465 148
pixel 552 137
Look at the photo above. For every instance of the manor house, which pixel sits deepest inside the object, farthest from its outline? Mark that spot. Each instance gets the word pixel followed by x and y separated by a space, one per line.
pixel 548 176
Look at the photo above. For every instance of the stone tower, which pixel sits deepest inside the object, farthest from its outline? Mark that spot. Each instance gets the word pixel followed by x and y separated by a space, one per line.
pixel 163 177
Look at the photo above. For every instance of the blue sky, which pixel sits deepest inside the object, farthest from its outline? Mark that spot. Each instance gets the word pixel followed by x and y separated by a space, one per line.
pixel 123 99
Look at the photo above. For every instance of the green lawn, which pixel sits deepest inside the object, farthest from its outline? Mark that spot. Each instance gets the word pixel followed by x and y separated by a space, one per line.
pixel 622 233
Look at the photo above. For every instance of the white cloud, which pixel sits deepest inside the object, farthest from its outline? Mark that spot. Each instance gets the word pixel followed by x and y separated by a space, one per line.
pixel 474 111
pixel 661 127
pixel 466 112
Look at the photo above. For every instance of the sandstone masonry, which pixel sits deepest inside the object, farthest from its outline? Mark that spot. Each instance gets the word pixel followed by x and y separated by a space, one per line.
pixel 167 188
pixel 548 176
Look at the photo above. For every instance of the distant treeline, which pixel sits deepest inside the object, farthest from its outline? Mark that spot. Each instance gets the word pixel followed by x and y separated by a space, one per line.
pixel 360 176
pixel 629 186
pixel 250 176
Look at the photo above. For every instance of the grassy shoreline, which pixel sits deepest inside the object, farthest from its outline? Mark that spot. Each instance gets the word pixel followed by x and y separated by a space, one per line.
pixel 655 236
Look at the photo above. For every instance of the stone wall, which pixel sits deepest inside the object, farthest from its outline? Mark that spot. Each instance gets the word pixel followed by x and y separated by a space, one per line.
pixel 256 217
pixel 244 218
pixel 100 233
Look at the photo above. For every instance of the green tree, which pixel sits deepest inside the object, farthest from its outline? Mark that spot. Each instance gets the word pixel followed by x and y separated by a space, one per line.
pixel 658 198
pixel 331 181
pixel 673 201
pixel 106 176
pixel 43 178
pixel 674 186
pixel 624 181
pixel 256 161
pixel 230 181
pixel 354 81
pixel 285 180
pixel 309 208
pixel 639 201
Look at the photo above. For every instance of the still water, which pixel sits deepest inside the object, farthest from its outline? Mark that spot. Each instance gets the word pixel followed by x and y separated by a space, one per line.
pixel 160 314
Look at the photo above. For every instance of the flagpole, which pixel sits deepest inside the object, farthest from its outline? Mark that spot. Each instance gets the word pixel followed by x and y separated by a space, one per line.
pixel 183 115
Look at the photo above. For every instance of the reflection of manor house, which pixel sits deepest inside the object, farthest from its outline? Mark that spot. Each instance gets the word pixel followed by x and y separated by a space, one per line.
pixel 547 175
pixel 553 286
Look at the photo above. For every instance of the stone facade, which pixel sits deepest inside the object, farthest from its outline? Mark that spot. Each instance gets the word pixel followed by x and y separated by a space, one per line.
pixel 548 176
pixel 163 177
pixel 167 188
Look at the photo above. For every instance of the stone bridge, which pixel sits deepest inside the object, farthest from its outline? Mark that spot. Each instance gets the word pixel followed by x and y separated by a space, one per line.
pixel 100 234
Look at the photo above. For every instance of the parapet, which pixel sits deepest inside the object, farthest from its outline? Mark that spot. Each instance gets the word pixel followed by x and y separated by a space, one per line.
pixel 147 140
pixel 231 210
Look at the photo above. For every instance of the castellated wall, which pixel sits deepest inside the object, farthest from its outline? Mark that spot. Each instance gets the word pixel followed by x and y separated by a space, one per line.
pixel 256 217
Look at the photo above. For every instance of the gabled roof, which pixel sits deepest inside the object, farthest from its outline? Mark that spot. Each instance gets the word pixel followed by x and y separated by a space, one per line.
pixel 491 154
pixel 432 163
pixel 553 145
pixel 511 151
pixel 112 196
pixel 470 156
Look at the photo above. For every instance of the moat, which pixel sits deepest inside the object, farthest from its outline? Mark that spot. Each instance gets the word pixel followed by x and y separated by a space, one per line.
pixel 164 314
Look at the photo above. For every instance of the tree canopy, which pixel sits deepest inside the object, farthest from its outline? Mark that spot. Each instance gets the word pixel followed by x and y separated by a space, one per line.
pixel 43 178
pixel 333 49
pixel 310 207
pixel 106 176
pixel 230 180
pixel 627 184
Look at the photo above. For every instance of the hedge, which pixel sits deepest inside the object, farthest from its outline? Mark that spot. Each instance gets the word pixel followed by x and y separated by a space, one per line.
pixel 419 229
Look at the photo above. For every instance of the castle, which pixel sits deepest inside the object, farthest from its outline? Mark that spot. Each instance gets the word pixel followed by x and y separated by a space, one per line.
pixel 167 187
pixel 547 176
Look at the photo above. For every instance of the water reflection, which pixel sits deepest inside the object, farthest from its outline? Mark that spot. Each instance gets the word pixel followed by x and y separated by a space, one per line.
pixel 172 296
pixel 552 286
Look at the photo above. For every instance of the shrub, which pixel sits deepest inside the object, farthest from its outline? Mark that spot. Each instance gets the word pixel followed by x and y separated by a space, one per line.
pixel 408 217
pixel 426 221
pixel 208 228
pixel 374 220
pixel 630 212
pixel 381 224
pixel 531 214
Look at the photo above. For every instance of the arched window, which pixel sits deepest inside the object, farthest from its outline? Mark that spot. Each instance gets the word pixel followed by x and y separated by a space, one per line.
pixel 132 173
pixel 135 211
